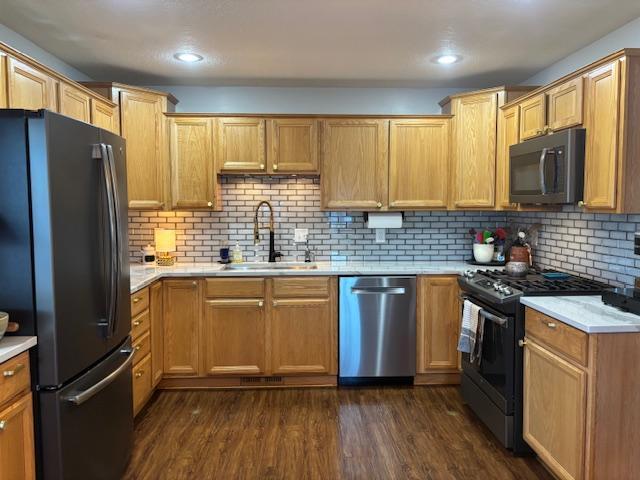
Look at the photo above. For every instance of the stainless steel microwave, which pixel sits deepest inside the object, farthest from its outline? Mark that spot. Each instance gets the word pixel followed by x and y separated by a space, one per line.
pixel 548 169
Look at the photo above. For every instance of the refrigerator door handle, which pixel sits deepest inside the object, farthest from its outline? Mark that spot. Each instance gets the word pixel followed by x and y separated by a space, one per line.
pixel 82 397
pixel 115 251
pixel 100 153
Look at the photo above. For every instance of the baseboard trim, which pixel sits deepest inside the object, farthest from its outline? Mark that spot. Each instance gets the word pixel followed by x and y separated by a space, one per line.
pixel 437 378
pixel 238 382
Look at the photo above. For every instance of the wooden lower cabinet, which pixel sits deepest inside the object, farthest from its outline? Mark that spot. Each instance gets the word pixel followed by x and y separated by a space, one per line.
pixel 17 454
pixel 182 304
pixel 233 337
pixel 156 313
pixel 437 330
pixel 142 388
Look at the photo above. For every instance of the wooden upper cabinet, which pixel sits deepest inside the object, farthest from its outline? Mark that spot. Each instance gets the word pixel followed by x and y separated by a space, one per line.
pixel 17 454
pixel 438 324
pixel 554 410
pixel 508 134
pixel 104 116
pixel 565 105
pixel 533 117
pixel 182 302
pixel 74 102
pixel 241 144
pixel 474 150
pixel 602 93
pixel 30 88
pixel 234 336
pixel 292 145
pixel 419 163
pixel 3 80
pixel 142 125
pixel 192 163
pixel 355 166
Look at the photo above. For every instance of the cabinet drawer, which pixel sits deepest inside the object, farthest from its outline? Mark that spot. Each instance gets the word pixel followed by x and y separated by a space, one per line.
pixel 567 340
pixel 142 347
pixel 301 287
pixel 140 324
pixel 234 287
pixel 14 377
pixel 139 301
pixel 141 383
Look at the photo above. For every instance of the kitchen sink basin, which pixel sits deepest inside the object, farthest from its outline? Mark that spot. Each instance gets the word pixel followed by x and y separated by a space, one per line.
pixel 271 266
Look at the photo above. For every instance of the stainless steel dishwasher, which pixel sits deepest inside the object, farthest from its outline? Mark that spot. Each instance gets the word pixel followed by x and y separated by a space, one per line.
pixel 377 329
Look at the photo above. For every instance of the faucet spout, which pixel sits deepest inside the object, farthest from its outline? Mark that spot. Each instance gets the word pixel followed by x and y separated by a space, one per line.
pixel 256 231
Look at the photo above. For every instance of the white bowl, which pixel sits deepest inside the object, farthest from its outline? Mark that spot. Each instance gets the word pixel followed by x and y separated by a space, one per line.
pixel 4 323
pixel 483 252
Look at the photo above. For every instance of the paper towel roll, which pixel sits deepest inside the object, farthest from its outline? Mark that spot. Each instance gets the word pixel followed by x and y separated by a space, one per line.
pixel 385 220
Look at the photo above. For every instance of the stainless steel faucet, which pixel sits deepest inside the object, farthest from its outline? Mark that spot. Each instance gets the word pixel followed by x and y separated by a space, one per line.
pixel 256 231
pixel 308 254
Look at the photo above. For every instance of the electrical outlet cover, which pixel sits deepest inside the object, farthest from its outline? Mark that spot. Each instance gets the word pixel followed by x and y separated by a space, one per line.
pixel 300 235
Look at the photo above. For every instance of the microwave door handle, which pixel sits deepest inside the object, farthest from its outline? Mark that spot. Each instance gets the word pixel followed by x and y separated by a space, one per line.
pixel 543 164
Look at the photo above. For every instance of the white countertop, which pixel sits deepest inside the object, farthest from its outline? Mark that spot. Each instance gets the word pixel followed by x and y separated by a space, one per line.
pixel 12 346
pixel 587 313
pixel 141 275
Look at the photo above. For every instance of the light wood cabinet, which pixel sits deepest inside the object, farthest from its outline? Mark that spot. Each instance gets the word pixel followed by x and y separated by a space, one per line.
pixel 3 79
pixel 292 145
pixel 438 327
pixel 17 454
pixel 508 134
pixel 29 87
pixel 354 164
pixel 105 116
pixel 233 336
pixel 602 90
pixel 533 117
pixel 74 103
pixel 419 163
pixel 142 383
pixel 182 302
pixel 156 314
pixel 565 105
pixel 474 150
pixel 241 144
pixel 192 163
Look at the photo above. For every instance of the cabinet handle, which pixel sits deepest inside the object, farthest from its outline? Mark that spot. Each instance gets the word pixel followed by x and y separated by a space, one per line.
pixel 3 425
pixel 209 204
pixel 137 323
pixel 275 167
pixel 379 204
pixel 12 373
pixel 551 325
pixel 275 304
pixel 139 373
pixel 522 343
pixel 136 299
pixel 260 303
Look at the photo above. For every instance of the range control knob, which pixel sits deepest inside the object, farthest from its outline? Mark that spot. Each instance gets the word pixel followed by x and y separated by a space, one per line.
pixel 507 291
pixel 469 274
pixel 496 286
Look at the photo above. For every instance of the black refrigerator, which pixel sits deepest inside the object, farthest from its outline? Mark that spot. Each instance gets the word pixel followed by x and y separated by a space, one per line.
pixel 65 278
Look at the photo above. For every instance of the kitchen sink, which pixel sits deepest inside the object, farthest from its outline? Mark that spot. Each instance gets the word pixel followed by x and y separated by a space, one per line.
pixel 271 266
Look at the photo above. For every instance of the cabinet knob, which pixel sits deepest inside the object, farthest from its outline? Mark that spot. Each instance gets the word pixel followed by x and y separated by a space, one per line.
pixel 522 343
pixel 12 373
pixel 209 204
pixel 260 303
pixel 547 129
pixel 194 283
pixel 262 166
pixel 275 304
pixel 139 373
pixel 137 323
pixel 136 299
pixel 3 424
pixel 581 203
pixel 275 167
pixel 551 325
pixel 137 348
pixel 379 204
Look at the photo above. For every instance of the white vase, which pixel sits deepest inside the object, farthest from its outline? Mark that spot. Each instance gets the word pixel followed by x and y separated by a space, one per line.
pixel 483 252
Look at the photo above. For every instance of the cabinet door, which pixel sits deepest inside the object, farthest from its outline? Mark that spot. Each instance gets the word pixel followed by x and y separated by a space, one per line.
pixel 565 105
pixel 17 455
pixel 3 80
pixel 474 150
pixel 241 144
pixel 292 145
pixel 354 164
pixel 141 123
pixel 602 90
pixel 30 88
pixel 233 337
pixel 438 324
pixel 142 383
pixel 418 163
pixel 104 116
pixel 182 311
pixel 303 336
pixel 554 410
pixel 74 103
pixel 508 134
pixel 192 171
pixel 533 117
pixel 157 332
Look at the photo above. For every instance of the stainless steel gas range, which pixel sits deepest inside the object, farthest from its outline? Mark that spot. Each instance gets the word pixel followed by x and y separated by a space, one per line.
pixel 492 383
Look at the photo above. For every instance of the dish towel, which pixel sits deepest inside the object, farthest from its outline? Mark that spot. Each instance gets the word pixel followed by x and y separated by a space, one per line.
pixel 470 319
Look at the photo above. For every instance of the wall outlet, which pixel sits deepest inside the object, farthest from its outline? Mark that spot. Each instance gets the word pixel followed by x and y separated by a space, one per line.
pixel 380 235
pixel 300 235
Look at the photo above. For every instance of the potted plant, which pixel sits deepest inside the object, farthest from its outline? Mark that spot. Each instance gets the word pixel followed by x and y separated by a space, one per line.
pixel 488 245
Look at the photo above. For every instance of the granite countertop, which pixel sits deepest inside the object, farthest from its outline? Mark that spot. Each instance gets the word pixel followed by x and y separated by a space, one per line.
pixel 141 275
pixel 12 346
pixel 586 313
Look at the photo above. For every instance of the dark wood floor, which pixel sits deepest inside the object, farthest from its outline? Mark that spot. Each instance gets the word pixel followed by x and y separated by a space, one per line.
pixel 372 433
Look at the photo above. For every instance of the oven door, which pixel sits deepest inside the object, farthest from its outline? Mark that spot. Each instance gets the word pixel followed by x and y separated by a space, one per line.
pixel 494 371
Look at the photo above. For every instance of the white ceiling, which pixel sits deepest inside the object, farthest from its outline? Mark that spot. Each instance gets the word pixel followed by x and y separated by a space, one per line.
pixel 315 42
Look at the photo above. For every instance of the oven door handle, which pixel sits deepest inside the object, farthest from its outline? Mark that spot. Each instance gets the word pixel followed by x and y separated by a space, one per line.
pixel 502 321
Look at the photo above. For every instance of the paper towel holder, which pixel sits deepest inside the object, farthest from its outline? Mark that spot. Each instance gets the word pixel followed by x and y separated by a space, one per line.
pixel 366 215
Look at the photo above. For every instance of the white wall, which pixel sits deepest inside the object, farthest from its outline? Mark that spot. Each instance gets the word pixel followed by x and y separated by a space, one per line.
pixel 17 41
pixel 368 101
pixel 627 36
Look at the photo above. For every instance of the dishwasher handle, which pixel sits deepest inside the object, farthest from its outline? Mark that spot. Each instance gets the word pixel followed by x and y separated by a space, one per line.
pixel 378 290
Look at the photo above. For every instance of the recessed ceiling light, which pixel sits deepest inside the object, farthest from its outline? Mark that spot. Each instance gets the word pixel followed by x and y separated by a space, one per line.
pixel 188 57
pixel 447 59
